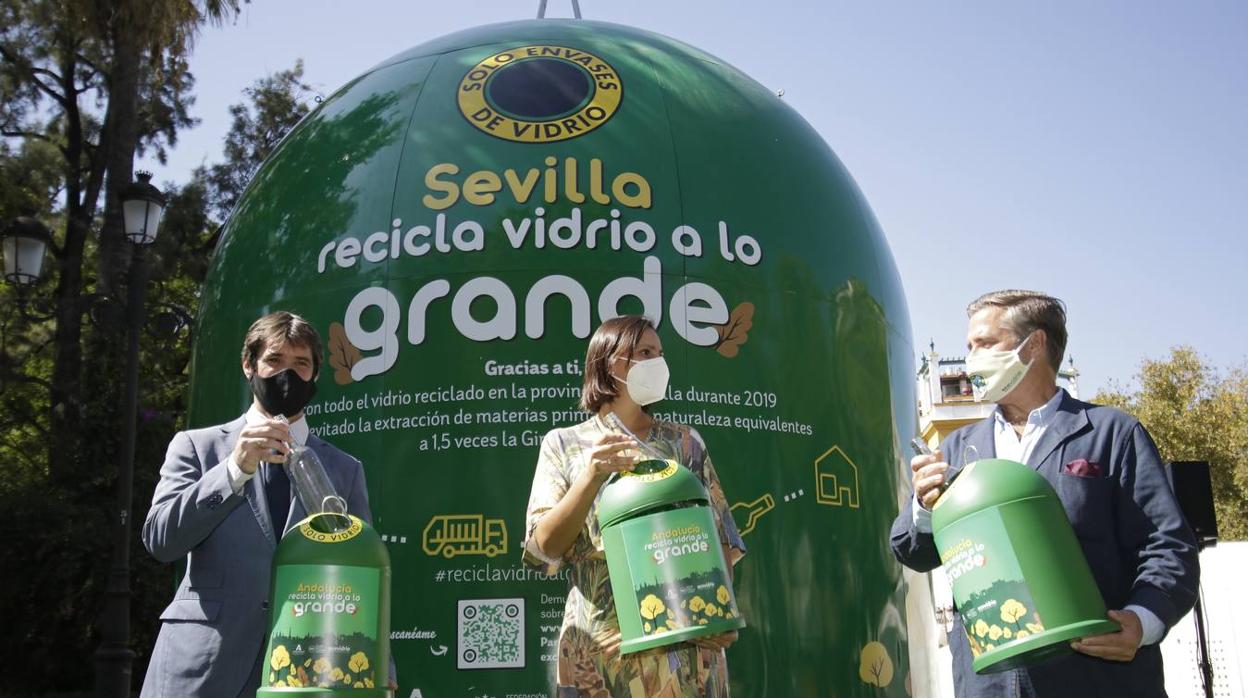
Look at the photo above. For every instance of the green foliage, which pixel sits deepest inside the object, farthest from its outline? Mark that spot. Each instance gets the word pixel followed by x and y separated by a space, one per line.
pixel 30 178
pixel 62 501
pixel 275 104
pixel 1194 412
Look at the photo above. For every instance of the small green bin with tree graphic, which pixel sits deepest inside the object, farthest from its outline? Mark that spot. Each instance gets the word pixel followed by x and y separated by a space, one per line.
pixel 329 629
pixel 1019 577
pixel 669 578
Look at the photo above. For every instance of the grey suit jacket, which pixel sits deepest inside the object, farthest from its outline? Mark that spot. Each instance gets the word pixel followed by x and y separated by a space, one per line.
pixel 213 632
pixel 1129 526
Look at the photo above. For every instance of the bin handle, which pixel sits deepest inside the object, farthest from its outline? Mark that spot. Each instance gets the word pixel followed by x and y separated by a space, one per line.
pixel 970 454
pixel 334 504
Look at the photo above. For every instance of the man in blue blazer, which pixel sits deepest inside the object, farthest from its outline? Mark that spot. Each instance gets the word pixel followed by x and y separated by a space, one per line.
pixel 1111 481
pixel 222 504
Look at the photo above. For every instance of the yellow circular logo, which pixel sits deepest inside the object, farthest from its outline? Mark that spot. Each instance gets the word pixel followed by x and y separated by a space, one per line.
pixel 348 533
pixel 540 94
pixel 653 474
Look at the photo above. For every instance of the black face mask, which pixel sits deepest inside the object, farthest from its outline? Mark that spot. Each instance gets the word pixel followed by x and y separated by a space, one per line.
pixel 285 392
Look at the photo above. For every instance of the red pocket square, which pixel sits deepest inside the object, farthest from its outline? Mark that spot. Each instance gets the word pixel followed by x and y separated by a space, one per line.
pixel 1082 468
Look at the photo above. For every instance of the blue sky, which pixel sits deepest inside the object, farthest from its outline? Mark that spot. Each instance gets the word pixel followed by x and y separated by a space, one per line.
pixel 1095 151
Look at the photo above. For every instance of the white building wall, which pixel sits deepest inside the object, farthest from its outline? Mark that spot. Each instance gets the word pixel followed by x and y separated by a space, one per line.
pixel 1223 575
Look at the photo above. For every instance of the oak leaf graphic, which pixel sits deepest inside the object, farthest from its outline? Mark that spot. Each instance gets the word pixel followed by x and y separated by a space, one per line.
pixel 342 354
pixel 736 331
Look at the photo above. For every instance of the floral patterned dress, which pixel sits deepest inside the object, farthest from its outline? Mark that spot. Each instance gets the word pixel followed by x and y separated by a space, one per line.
pixel 586 668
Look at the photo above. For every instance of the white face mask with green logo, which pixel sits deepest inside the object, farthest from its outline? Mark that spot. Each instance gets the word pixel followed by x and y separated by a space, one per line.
pixel 994 374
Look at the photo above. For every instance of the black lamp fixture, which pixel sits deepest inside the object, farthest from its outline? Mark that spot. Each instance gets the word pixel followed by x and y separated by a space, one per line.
pixel 24 242
pixel 142 205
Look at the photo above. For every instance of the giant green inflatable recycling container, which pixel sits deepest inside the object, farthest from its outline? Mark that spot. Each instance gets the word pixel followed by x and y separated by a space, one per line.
pixel 1019 577
pixel 329 628
pixel 669 577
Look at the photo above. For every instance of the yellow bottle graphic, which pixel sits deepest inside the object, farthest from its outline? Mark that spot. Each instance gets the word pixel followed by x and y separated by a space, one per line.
pixel 752 512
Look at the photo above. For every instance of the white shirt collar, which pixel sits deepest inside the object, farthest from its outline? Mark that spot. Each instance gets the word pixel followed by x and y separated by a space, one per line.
pixel 298 429
pixel 1039 417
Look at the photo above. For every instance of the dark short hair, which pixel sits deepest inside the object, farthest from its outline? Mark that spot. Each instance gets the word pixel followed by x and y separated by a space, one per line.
pixel 1026 312
pixel 281 328
pixel 619 335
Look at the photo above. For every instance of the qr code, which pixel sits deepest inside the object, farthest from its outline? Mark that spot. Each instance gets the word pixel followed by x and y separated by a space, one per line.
pixel 491 633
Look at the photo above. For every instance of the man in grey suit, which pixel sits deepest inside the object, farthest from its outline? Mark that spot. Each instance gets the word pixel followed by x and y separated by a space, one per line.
pixel 222 504
pixel 1111 481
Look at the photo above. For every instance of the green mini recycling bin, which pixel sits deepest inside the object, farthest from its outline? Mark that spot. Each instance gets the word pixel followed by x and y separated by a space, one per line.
pixel 1019 577
pixel 329 625
pixel 669 577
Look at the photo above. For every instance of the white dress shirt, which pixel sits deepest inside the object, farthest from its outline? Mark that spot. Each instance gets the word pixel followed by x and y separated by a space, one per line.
pixel 238 478
pixel 1011 445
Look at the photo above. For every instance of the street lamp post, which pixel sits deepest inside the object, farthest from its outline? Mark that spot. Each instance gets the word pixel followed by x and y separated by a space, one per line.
pixel 23 244
pixel 142 206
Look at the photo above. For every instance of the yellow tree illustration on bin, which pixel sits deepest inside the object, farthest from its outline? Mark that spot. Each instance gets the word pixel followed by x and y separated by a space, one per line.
pixel 723 596
pixel 1012 611
pixel 976 648
pixel 874 665
pixel 651 608
pixel 697 605
pixel 981 628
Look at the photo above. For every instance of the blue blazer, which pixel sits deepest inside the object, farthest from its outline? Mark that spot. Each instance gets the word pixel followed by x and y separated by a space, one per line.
pixel 213 633
pixel 1129 525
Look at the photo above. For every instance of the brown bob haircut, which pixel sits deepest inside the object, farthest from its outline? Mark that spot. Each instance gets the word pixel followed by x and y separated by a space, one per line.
pixel 618 336
pixel 281 328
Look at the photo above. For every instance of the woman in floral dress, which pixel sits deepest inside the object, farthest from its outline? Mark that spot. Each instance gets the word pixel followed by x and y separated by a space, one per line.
pixel 624 372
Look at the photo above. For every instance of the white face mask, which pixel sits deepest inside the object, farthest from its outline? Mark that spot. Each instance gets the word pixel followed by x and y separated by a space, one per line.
pixel 647 380
pixel 994 374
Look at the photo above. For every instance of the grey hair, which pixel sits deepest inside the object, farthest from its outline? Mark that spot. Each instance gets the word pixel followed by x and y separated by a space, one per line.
pixel 1026 312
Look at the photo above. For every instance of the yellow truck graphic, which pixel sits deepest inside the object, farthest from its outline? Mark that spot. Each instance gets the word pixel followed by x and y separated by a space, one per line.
pixel 449 535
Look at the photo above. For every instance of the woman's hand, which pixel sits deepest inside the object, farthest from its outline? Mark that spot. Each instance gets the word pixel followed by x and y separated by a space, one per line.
pixel 721 641
pixel 612 453
pixel 557 530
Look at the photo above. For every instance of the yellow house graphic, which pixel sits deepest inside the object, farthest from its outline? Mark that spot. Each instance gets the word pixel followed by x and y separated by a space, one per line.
pixel 465 534
pixel 836 479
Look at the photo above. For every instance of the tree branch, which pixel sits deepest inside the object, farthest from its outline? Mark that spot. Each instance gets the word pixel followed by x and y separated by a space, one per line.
pixel 23 378
pixel 25 134
pixel 95 69
pixel 33 72
pixel 21 133
pixel 44 71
